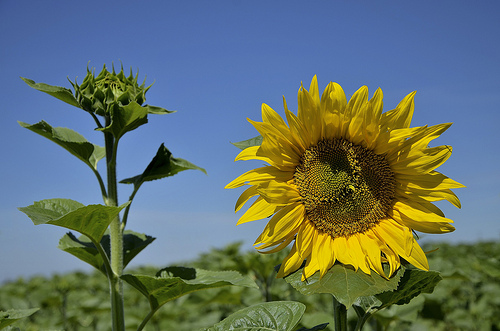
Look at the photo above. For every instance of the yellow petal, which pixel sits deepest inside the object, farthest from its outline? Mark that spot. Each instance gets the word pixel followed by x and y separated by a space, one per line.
pixel 304 241
pixel 278 193
pixel 426 161
pixel 323 250
pixel 245 196
pixel 341 252
pixel 297 129
pixel 250 153
pixel 314 91
pixel 277 247
pixel 429 195
pixel 371 125
pixel 420 219
pixel 359 258
pixel 309 115
pixel 260 175
pixel 371 248
pixel 354 115
pixel 286 220
pixel 290 264
pixel 275 121
pixel 432 180
pixel 333 104
pixel 399 239
pixel 260 209
pixel 333 98
pixel 401 116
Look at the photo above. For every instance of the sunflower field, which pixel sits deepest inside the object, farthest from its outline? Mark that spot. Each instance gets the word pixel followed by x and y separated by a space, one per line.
pixel 468 297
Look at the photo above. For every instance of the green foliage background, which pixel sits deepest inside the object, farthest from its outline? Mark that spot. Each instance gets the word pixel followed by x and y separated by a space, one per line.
pixel 468 298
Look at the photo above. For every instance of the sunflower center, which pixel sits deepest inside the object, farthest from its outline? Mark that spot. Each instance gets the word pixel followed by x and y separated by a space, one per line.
pixel 345 188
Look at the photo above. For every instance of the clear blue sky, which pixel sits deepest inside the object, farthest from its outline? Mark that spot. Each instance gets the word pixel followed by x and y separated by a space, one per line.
pixel 215 62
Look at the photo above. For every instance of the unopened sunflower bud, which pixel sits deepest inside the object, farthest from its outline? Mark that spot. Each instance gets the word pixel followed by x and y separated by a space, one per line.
pixel 99 94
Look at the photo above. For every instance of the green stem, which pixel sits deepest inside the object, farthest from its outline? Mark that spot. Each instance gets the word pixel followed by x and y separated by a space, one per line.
pixel 363 316
pixel 146 320
pixel 361 321
pixel 116 236
pixel 339 315
pixel 125 213
pixel 101 184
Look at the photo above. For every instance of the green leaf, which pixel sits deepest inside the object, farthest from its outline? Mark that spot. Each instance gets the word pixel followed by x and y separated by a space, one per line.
pixel 413 283
pixel 58 92
pixel 160 290
pixel 85 250
pixel 70 140
pixel 126 118
pixel 268 316
pixel 12 315
pixel 345 284
pixel 256 141
pixel 91 220
pixel 162 165
pixel 158 110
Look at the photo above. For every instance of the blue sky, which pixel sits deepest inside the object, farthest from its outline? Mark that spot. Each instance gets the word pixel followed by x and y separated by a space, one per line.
pixel 216 62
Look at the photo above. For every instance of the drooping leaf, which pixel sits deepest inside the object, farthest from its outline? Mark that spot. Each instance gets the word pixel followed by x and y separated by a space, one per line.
pixel 412 283
pixel 268 316
pixel 158 110
pixel 85 250
pixel 58 92
pixel 70 140
pixel 160 290
pixel 163 165
pixel 345 284
pixel 126 118
pixel 91 221
pixel 12 315
pixel 256 141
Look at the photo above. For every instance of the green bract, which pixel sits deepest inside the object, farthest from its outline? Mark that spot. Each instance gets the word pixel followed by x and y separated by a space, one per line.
pixel 108 90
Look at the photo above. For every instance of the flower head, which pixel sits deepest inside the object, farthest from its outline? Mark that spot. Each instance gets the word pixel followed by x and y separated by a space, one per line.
pixel 346 182
pixel 109 89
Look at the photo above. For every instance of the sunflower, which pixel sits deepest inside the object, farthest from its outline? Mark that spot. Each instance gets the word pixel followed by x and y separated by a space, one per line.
pixel 345 182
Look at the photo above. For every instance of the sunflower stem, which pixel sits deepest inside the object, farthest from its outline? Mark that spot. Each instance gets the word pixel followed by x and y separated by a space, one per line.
pixel 339 315
pixel 116 236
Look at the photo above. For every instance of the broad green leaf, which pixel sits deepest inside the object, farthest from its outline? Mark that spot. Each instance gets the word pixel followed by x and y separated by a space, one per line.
pixel 345 284
pixel 158 110
pixel 162 165
pixel 12 315
pixel 70 140
pixel 58 92
pixel 160 290
pixel 85 250
pixel 268 316
pixel 91 220
pixel 413 283
pixel 256 141
pixel 126 118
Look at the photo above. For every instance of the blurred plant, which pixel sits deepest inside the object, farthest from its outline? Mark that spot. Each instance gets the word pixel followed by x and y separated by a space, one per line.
pixel 466 300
